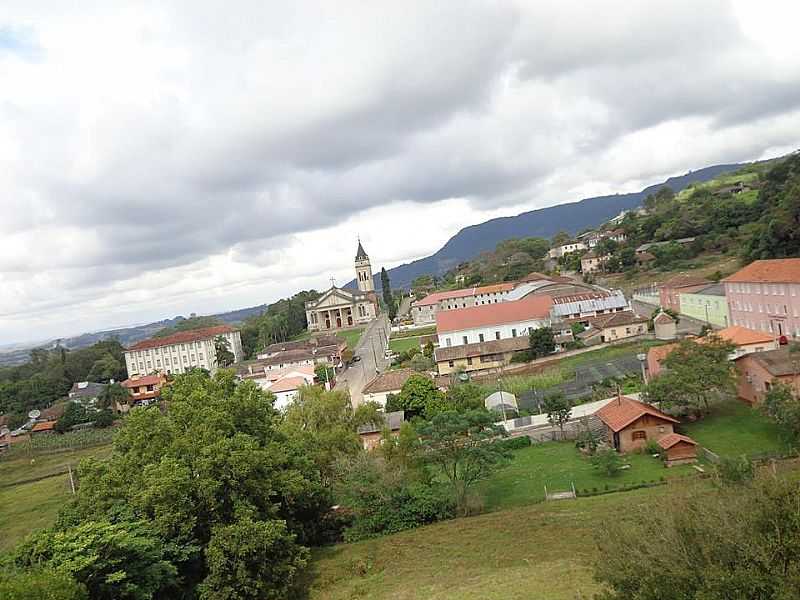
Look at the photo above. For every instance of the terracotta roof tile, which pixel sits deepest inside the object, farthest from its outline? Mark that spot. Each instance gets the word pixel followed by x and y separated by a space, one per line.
pixel 782 270
pixel 46 426
pixel 669 440
pixel 741 336
pixel 182 337
pixel 287 384
pixel 389 381
pixel 622 411
pixel 146 380
pixel 521 342
pixel 528 308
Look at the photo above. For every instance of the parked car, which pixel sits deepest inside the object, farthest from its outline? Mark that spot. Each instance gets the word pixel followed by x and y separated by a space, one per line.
pixel 356 358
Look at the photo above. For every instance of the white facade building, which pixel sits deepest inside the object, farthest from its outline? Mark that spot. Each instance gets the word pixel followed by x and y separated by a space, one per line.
pixel 181 352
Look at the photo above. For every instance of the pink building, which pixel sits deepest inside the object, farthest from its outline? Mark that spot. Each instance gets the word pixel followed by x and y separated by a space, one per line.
pixel 765 296
pixel 669 291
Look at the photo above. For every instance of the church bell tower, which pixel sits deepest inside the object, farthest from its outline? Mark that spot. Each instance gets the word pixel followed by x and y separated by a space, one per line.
pixel 363 270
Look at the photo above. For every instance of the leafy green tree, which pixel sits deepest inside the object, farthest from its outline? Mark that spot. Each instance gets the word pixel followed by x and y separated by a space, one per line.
pixel 388 297
pixel 542 342
pixel 39 584
pixel 466 396
pixel 421 363
pixel 697 374
pixel 459 446
pixel 103 418
pixel 783 407
pixel 415 395
pixel 106 368
pixel 325 425
pixel 558 410
pixel 112 395
pixel 74 414
pixel 252 560
pixel 222 349
pixel 122 560
pixel 607 461
pixel 738 543
pixel 220 455
pixel 428 350
pixel 325 373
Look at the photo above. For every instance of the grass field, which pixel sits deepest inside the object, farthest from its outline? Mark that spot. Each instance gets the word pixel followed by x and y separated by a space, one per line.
pixel 416 332
pixel 733 429
pixel 24 468
pixel 351 336
pixel 542 551
pixel 558 465
pixel 402 344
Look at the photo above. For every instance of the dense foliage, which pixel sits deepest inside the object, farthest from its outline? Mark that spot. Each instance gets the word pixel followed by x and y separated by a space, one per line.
pixel 782 405
pixel 222 488
pixel 741 543
pixel 282 321
pixel 190 324
pixel 39 584
pixel 49 374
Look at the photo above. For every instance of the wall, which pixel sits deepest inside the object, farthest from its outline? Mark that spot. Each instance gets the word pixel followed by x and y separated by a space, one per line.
pixel 755 380
pixel 620 332
pixel 713 309
pixel 774 308
pixel 476 364
pixel 654 428
pixel 379 397
pixel 507 331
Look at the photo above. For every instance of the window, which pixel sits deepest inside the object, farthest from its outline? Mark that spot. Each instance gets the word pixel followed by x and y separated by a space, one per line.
pixel 469 360
pixel 450 363
pixel 639 435
pixel 465 340
pixel 448 342
pixel 480 337
pixel 513 333
pixel 497 335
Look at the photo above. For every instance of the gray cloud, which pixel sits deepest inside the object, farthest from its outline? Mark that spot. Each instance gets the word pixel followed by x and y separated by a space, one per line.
pixel 133 154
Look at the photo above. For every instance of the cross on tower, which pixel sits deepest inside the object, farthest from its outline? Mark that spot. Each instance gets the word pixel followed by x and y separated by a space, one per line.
pixel 333 282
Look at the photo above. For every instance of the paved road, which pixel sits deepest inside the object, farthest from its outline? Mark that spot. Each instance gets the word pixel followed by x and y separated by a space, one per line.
pixel 371 349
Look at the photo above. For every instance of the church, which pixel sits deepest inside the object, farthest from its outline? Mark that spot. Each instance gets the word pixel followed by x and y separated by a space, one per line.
pixel 340 308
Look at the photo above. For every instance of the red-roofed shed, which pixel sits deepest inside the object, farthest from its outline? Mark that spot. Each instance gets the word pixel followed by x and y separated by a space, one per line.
pixel 631 423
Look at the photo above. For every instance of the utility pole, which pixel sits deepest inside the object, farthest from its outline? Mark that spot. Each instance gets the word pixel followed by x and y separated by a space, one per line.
pixel 374 356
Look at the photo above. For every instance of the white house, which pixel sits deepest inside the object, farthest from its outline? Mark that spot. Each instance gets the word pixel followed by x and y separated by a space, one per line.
pixel 180 352
pixel 567 248
pixel 493 321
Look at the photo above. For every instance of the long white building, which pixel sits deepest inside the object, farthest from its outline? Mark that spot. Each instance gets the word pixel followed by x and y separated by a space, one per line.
pixel 180 352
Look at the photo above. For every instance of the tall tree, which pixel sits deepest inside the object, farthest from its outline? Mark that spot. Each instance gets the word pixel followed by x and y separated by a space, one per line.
pixel 460 446
pixel 388 297
pixel 542 342
pixel 222 349
pixel 558 410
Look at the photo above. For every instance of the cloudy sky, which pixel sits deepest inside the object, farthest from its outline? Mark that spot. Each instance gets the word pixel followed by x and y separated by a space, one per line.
pixel 161 158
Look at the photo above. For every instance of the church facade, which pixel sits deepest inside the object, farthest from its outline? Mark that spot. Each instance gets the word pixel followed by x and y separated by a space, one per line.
pixel 340 308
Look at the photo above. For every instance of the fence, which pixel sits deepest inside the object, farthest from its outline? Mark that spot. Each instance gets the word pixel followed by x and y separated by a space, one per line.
pixel 45 443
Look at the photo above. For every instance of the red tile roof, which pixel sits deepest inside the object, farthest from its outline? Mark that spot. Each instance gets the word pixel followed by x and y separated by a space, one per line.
pixel 287 384
pixel 526 309
pixel 390 381
pixel 669 440
pixel 782 270
pixel 622 411
pixel 741 336
pixel 659 353
pixel 437 297
pixel 146 380
pixel 183 337
pixel 47 426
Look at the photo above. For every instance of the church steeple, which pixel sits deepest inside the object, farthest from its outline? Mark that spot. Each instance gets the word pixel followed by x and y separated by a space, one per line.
pixel 363 270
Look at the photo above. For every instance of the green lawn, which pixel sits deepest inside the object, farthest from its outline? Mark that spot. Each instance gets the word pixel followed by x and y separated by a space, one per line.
pixel 542 551
pixel 402 344
pixel 351 336
pixel 558 465
pixel 25 508
pixel 733 429
pixel 416 332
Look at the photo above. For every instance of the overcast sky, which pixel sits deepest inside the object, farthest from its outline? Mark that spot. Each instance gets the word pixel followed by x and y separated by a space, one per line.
pixel 162 158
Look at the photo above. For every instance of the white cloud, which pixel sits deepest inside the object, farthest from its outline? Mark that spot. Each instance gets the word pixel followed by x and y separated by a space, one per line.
pixel 163 158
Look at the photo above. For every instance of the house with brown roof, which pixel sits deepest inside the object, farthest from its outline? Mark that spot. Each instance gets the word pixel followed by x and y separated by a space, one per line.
pixel 669 292
pixel 143 391
pixel 424 311
pixel 759 371
pixel 591 262
pixel 501 321
pixel 372 433
pixel 45 427
pixel 480 357
pixel 765 295
pixel 678 449
pixel 389 382
pixel 182 351
pixel 611 328
pixel 630 423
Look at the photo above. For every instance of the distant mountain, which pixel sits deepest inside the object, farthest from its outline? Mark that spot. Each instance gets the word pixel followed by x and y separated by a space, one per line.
pixel 544 222
pixel 125 335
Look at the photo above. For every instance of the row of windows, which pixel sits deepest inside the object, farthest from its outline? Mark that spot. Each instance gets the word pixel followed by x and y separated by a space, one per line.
pixel 765 288
pixel 749 307
pixel 166 349
pixel 482 338
pixel 779 328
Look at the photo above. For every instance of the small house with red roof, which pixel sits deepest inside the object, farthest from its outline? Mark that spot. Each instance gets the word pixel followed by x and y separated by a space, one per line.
pixel 143 391
pixel 678 449
pixel 631 423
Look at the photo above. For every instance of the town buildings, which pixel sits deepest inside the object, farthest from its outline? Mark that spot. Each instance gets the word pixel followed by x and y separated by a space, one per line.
pixel 284 383
pixel 706 304
pixel 493 322
pixel 581 307
pixel 423 312
pixel 371 434
pixel 340 308
pixel 180 352
pixel 759 371
pixel 569 247
pixel 591 262
pixel 765 295
pixel 614 327
pixel 386 384
pixel 143 390
pixel 669 292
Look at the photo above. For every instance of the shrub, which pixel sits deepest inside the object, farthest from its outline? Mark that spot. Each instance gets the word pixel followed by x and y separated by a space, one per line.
pixel 515 443
pixel 39 585
pixel 607 461
pixel 652 447
pixel 734 471
pixel 104 418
